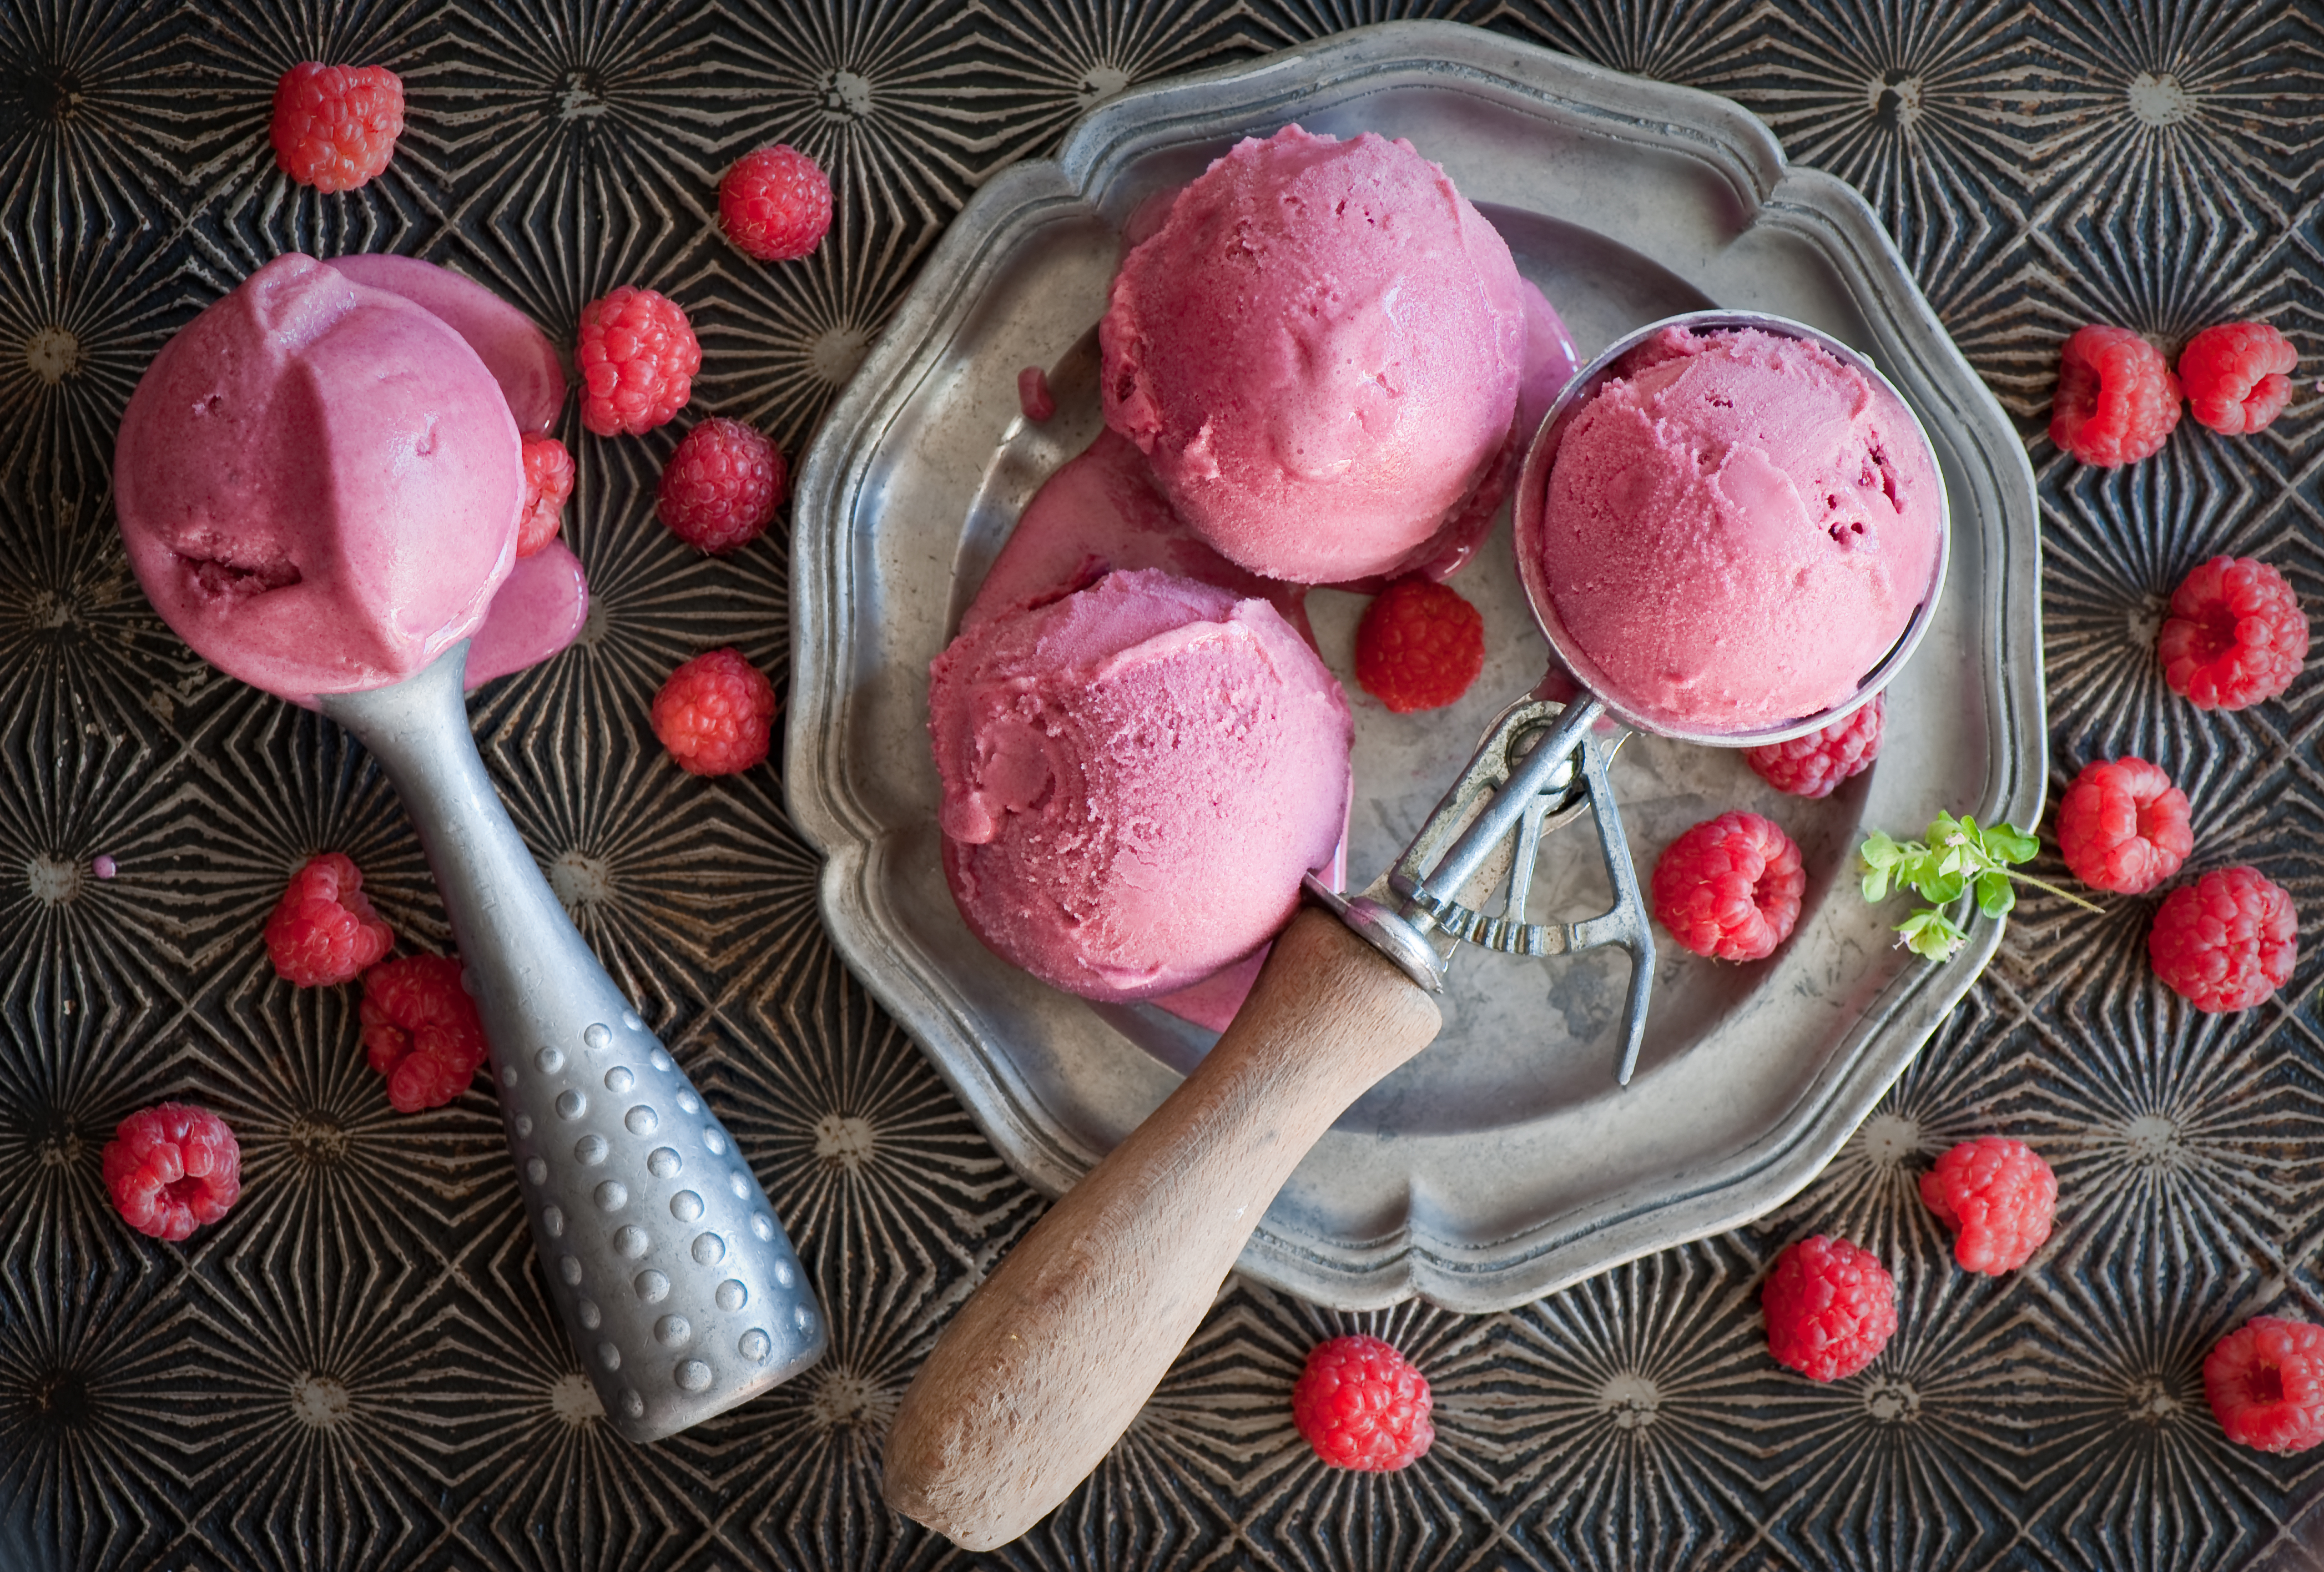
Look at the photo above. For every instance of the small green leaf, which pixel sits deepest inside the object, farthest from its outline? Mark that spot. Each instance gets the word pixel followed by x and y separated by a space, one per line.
pixel 1994 893
pixel 1945 888
pixel 2011 845
pixel 1878 851
pixel 1876 885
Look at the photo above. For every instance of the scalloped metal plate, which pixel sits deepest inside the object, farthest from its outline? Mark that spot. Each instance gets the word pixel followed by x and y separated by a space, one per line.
pixel 1502 1164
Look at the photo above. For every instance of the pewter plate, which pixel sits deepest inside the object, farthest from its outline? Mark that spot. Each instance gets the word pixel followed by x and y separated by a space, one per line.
pixel 1503 1162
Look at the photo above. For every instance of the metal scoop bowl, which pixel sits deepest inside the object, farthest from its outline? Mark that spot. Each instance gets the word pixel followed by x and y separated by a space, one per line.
pixel 1049 1362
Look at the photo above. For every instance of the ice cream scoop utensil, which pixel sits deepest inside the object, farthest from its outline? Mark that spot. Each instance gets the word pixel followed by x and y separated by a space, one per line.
pixel 1050 1360
pixel 678 1288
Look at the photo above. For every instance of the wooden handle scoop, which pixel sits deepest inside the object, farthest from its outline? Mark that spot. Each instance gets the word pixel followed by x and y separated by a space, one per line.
pixel 1049 1361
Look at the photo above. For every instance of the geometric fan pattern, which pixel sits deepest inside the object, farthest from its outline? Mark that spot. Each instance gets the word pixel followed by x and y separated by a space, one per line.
pixel 360 1368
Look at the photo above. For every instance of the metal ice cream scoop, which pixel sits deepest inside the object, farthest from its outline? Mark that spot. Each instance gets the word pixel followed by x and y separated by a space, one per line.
pixel 1049 1361
pixel 676 1283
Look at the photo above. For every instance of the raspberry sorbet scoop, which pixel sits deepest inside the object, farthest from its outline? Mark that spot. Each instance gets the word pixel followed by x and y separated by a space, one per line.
pixel 318 482
pixel 1319 352
pixel 1737 528
pixel 1135 778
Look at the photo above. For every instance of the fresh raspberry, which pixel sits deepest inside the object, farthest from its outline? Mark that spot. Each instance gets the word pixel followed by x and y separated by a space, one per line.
pixel 1831 1308
pixel 2265 1381
pixel 1814 765
pixel 1730 887
pixel 716 714
pixel 170 1168
pixel 721 487
pixel 2237 378
pixel 2225 942
pixel 323 932
pixel 1361 1405
pixel 2117 398
pixel 2235 635
pixel 1998 1197
pixel 420 1031
pixel 637 358
pixel 2123 827
pixel 1419 645
pixel 334 126
pixel 775 204
pixel 548 482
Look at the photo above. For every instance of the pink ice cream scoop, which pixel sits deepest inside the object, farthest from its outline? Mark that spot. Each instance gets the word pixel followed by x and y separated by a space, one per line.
pixel 318 484
pixel 1135 777
pixel 1737 528
pixel 1319 351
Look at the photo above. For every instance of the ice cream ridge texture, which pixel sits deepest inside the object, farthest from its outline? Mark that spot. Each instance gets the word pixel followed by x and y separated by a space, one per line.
pixel 1737 528
pixel 318 479
pixel 1319 352
pixel 1135 777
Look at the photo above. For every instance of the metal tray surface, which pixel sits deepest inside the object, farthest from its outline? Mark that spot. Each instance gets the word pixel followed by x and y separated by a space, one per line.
pixel 1502 1163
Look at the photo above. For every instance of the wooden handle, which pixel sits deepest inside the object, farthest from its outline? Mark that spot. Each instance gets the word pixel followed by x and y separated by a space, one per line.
pixel 1049 1361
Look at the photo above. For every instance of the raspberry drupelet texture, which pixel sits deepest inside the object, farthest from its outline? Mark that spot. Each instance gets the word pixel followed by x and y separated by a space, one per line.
pixel 2237 376
pixel 1419 645
pixel 2236 635
pixel 775 204
pixel 1361 1405
pixel 548 482
pixel 1730 887
pixel 334 126
pixel 2122 826
pixel 636 358
pixel 721 487
pixel 2227 941
pixel 716 715
pixel 2266 1382
pixel 323 932
pixel 170 1168
pixel 1815 765
pixel 2117 398
pixel 1831 1308
pixel 1998 1197
pixel 420 1031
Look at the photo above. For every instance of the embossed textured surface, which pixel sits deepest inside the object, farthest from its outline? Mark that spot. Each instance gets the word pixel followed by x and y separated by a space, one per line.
pixel 359 1368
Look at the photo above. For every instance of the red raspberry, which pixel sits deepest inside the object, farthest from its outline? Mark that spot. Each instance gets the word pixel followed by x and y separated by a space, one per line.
pixel 716 714
pixel 323 932
pixel 420 1031
pixel 775 204
pixel 1998 1197
pixel 1730 887
pixel 1831 1308
pixel 2235 635
pixel 1812 766
pixel 334 126
pixel 2116 400
pixel 2122 826
pixel 721 487
pixel 637 358
pixel 170 1168
pixel 2237 378
pixel 548 482
pixel 1419 645
pixel 1361 1405
pixel 2225 942
pixel 2265 1381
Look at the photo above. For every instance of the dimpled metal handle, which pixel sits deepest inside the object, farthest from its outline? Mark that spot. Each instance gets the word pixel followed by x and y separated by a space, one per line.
pixel 678 1286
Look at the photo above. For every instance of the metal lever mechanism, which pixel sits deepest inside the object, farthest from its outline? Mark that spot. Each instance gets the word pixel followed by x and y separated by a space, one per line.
pixel 1542 765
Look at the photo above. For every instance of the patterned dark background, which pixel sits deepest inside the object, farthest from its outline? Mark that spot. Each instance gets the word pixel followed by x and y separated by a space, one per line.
pixel 359 1369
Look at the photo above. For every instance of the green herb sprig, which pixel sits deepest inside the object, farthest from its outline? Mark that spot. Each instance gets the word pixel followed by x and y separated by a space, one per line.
pixel 1958 859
